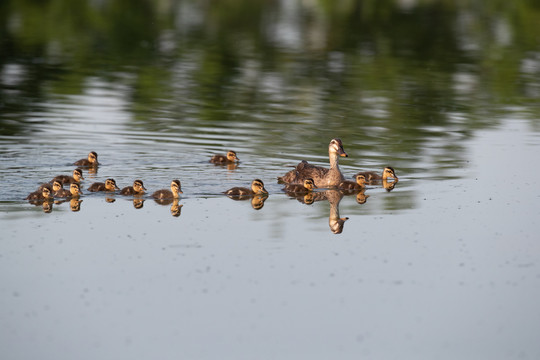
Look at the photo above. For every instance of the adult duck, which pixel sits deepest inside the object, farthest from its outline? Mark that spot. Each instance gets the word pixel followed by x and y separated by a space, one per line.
pixel 323 177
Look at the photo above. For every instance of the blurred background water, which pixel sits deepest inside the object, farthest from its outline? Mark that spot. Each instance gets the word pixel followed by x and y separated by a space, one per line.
pixel 446 265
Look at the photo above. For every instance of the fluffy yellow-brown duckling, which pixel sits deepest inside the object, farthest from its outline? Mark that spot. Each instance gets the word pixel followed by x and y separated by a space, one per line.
pixel 66 179
pixel 372 176
pixel 41 195
pixel 108 185
pixel 308 186
pixel 257 187
pixel 91 161
pixel 73 192
pixel 56 185
pixel 323 177
pixel 169 194
pixel 137 189
pixel 351 185
pixel 225 159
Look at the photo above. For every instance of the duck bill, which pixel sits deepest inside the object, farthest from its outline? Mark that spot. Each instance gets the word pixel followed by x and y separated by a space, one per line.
pixel 342 152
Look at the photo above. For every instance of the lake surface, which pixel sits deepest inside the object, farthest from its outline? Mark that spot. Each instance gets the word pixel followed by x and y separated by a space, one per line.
pixel 443 266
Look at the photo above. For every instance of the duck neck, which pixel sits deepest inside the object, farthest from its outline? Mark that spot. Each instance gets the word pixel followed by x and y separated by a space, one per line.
pixel 334 161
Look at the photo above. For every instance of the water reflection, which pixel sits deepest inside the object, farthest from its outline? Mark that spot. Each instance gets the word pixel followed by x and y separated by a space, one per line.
pixel 176 208
pixel 257 200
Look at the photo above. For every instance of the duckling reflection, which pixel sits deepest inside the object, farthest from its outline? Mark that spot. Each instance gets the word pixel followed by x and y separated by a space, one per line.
pixel 176 209
pixel 361 197
pixel 75 204
pixel 47 206
pixel 389 185
pixel 257 201
pixel 66 179
pixel 138 203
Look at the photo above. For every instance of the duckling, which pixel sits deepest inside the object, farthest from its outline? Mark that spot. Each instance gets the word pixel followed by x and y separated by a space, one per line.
pixel 43 195
pixel 169 194
pixel 225 159
pixel 323 177
pixel 91 161
pixel 108 185
pixel 308 186
pixel 56 185
pixel 137 189
pixel 257 187
pixel 66 179
pixel 351 185
pixel 73 192
pixel 372 176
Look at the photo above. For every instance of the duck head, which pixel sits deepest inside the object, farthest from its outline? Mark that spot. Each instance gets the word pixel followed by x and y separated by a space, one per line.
pixel 257 186
pixel 336 147
pixel 110 185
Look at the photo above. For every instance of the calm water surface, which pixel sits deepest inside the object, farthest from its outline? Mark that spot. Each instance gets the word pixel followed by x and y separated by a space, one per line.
pixel 443 266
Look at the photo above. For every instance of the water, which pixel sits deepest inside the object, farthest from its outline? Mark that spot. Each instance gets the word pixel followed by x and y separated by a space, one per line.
pixel 443 266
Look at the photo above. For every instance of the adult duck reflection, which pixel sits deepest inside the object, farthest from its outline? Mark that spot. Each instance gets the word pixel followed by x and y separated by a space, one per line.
pixel 333 196
pixel 335 222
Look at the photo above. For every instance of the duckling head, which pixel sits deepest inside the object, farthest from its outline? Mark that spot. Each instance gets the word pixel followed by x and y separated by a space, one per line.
pixel 389 172
pixel 231 156
pixel 78 174
pixel 57 185
pixel 336 147
pixel 176 187
pixel 257 186
pixel 110 185
pixel 361 179
pixel 309 184
pixel 92 157
pixel 75 189
pixel 46 192
pixel 138 186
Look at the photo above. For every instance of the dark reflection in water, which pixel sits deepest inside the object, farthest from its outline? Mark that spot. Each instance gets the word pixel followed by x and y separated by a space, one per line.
pixel 257 200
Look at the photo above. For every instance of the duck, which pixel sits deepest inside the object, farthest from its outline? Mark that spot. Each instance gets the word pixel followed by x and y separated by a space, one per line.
pixel 73 192
pixel 352 185
pixel 137 189
pixel 257 188
pixel 66 179
pixel 108 185
pixel 169 194
pixel 323 177
pixel 371 176
pixel 91 161
pixel 308 186
pixel 225 159
pixel 41 195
